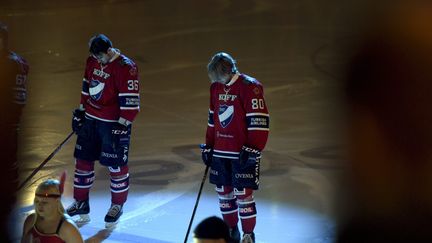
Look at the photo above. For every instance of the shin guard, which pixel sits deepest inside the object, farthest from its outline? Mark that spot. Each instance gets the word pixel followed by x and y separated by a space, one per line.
pixel 119 184
pixel 247 209
pixel 228 205
pixel 83 179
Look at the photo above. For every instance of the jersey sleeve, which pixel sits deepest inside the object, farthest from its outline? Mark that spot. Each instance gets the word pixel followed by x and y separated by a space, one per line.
pixel 210 122
pixel 128 93
pixel 257 116
pixel 21 78
pixel 85 84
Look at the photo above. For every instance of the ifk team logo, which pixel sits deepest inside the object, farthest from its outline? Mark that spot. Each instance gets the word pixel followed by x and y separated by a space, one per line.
pixel 96 89
pixel 226 114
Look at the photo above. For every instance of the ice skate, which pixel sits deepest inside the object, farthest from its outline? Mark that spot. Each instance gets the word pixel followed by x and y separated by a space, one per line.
pixel 235 234
pixel 113 215
pixel 80 209
pixel 248 238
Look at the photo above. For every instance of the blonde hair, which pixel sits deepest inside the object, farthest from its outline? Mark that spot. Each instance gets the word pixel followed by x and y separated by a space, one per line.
pixel 54 186
pixel 221 66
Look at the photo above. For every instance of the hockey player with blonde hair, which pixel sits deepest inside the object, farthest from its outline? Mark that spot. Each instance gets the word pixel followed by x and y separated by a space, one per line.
pixel 237 131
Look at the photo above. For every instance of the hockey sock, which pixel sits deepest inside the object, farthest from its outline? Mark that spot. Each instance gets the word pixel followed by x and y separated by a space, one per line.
pixel 83 179
pixel 247 210
pixel 119 184
pixel 228 205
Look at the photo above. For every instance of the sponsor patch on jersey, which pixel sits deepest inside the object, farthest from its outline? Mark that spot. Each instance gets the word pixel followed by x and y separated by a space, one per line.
pixel 226 114
pixel 96 89
pixel 218 134
pixel 133 71
pixel 256 91
pixel 244 176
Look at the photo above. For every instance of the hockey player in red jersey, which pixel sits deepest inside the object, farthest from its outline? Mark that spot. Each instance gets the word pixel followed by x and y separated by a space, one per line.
pixel 13 77
pixel 237 131
pixel 13 74
pixel 103 122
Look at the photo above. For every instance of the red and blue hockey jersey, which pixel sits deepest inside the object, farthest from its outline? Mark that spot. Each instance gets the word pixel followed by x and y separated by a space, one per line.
pixel 13 75
pixel 111 92
pixel 238 116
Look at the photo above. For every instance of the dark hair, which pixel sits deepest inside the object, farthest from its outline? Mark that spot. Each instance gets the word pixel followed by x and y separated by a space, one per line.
pixel 212 228
pixel 99 43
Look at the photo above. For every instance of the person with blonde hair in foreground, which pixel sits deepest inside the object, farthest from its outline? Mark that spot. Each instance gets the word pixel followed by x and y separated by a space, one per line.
pixel 49 224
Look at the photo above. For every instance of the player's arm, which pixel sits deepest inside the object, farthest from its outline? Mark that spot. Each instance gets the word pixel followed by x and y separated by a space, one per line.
pixel 79 113
pixel 21 82
pixel 210 122
pixel 129 99
pixel 257 117
pixel 207 148
pixel 28 224
pixel 85 84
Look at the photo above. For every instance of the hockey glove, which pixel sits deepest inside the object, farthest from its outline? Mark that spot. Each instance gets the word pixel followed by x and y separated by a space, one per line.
pixel 206 154
pixel 120 135
pixel 249 155
pixel 78 117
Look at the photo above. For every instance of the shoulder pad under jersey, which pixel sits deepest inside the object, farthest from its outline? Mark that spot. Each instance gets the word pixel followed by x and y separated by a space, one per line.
pixel 250 80
pixel 125 61
pixel 213 85
pixel 17 59
pixel 14 57
pixel 90 59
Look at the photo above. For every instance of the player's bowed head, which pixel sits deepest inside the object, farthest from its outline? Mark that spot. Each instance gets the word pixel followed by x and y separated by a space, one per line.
pixel 101 48
pixel 221 68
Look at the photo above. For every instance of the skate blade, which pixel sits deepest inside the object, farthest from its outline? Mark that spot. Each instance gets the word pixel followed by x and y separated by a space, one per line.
pixel 82 219
pixel 111 225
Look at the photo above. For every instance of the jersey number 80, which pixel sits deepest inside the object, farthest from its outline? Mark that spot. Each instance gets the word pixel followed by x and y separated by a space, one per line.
pixel 257 104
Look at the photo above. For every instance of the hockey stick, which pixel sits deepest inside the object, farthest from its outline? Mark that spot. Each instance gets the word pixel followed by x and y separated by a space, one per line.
pixel 45 161
pixel 196 203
